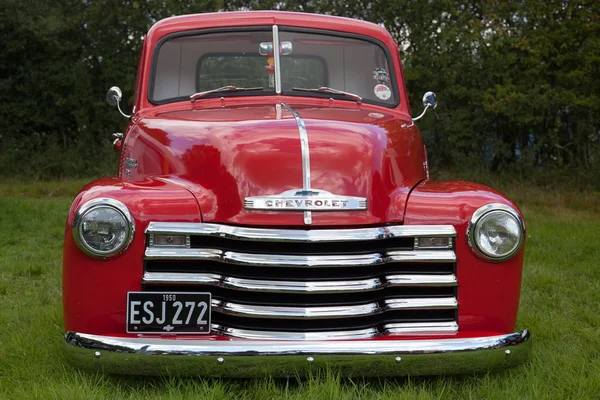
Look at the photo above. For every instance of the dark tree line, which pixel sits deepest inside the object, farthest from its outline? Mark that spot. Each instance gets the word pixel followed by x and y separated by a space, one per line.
pixel 518 82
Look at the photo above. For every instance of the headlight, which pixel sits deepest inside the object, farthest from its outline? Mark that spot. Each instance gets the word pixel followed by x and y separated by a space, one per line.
pixel 103 227
pixel 496 232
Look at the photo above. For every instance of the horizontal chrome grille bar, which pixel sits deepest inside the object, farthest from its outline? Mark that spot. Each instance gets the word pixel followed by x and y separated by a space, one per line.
pixel 406 328
pixel 297 235
pixel 331 312
pixel 279 260
pixel 275 286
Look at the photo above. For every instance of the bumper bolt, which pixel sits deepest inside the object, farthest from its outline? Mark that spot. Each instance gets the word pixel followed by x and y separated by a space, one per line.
pixel 398 359
pixel 310 359
pixel 220 360
pixel 97 354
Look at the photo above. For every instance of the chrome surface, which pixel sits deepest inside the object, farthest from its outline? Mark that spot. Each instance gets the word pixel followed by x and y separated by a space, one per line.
pixel 296 235
pixel 480 213
pixel 332 312
pixel 366 333
pixel 305 200
pixel 305 153
pixel 249 358
pixel 430 328
pixel 429 101
pixel 276 286
pixel 404 328
pixel 113 97
pixel 286 48
pixel 102 202
pixel 281 260
pixel 417 245
pixel 276 59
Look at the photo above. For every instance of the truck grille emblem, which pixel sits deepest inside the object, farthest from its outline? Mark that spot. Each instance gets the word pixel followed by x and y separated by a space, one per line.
pixel 306 200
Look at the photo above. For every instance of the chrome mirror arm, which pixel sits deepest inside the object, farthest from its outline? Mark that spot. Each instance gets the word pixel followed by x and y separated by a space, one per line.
pixel 422 114
pixel 121 111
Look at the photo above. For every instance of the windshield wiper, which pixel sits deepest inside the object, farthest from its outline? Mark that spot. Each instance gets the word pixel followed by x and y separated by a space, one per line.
pixel 325 89
pixel 198 95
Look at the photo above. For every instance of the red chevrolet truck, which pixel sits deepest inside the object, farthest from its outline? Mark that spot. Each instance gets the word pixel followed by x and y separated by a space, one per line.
pixel 273 214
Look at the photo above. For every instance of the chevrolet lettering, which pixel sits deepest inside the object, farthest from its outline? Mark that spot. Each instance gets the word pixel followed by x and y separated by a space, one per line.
pixel 301 200
pixel 273 215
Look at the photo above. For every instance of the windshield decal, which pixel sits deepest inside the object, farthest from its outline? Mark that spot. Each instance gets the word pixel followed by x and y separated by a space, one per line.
pixel 381 75
pixel 382 92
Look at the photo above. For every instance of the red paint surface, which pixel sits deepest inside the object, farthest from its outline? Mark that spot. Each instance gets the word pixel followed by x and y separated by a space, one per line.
pixel 197 162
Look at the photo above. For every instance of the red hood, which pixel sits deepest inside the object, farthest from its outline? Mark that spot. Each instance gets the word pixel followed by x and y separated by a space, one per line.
pixel 224 155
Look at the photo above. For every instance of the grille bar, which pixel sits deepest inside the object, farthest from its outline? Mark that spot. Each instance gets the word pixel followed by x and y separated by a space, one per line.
pixel 296 261
pixel 296 235
pixel 409 328
pixel 276 286
pixel 331 312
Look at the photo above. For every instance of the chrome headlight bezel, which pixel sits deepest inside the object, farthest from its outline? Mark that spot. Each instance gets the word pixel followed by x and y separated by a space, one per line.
pixel 478 216
pixel 91 205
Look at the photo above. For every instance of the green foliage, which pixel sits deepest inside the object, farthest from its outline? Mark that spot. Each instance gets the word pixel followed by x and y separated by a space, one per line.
pixel 518 82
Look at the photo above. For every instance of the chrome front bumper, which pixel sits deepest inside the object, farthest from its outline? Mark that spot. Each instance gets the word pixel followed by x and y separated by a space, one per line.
pixel 251 358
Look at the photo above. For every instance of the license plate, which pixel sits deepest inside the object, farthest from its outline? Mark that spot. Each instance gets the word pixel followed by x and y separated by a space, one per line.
pixel 168 312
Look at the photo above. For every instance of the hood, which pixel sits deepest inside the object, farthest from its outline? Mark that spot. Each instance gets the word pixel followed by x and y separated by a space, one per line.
pixel 227 154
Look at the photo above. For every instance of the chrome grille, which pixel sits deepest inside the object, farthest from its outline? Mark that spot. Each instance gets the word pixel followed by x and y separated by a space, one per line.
pixel 304 284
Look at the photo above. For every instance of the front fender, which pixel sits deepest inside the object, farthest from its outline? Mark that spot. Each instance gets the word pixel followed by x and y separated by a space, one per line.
pixel 488 292
pixel 94 290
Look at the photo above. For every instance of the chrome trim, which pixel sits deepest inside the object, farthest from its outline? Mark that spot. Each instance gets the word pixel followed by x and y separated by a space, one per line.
pixel 305 156
pixel 331 312
pixel 281 260
pixel 305 200
pixel 276 286
pixel 404 328
pixel 480 213
pixel 250 358
pixel 287 312
pixel 366 333
pixel 421 303
pixel 417 245
pixel 297 235
pixel 276 59
pixel 102 202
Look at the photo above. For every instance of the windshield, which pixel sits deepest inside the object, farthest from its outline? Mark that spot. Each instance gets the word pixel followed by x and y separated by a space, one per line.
pixel 191 64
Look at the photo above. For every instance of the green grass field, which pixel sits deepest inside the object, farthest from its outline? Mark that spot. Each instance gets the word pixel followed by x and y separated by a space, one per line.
pixel 560 303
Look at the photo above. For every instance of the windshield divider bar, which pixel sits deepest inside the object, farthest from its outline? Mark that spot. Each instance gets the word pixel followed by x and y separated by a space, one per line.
pixel 276 56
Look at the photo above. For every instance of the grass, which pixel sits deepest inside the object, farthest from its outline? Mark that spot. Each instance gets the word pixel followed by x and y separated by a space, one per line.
pixel 560 303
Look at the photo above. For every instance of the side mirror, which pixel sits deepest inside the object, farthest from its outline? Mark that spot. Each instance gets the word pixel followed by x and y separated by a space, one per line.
pixel 113 98
pixel 429 100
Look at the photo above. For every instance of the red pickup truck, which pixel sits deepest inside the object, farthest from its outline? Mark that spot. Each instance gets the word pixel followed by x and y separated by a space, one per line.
pixel 273 215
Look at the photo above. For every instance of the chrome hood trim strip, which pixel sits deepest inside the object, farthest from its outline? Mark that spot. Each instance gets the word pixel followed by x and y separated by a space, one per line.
pixel 297 235
pixel 331 312
pixel 316 287
pixel 305 156
pixel 281 260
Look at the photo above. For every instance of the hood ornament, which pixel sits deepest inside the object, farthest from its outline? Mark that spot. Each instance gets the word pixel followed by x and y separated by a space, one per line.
pixel 305 200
